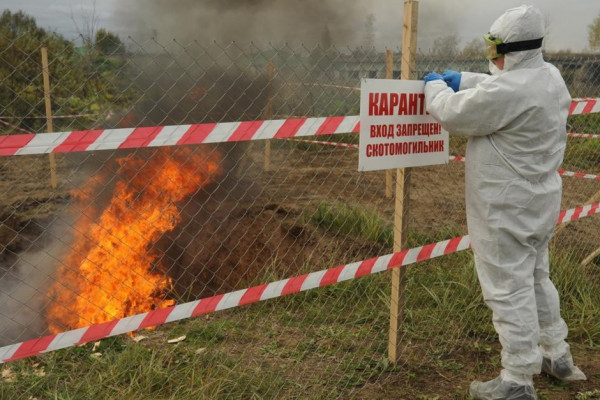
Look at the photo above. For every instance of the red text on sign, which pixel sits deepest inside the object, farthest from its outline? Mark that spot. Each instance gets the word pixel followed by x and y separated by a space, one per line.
pixel 394 149
pixel 400 130
pixel 396 104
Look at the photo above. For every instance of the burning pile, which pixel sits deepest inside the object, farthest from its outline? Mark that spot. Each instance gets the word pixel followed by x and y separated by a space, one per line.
pixel 112 270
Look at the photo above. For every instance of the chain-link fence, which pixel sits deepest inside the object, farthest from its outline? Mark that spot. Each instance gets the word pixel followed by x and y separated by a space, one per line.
pixel 163 217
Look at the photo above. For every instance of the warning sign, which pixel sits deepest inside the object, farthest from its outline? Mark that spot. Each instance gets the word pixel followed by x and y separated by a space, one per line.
pixel 395 129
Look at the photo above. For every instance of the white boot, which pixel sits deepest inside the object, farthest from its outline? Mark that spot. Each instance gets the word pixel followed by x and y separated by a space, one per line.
pixel 559 364
pixel 507 386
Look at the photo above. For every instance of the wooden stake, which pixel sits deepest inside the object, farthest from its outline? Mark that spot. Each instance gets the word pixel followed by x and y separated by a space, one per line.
pixel 49 125
pixel 389 74
pixel 408 66
pixel 589 258
pixel 268 114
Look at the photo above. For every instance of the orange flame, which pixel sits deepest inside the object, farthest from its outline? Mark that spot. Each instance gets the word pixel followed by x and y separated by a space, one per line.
pixel 112 270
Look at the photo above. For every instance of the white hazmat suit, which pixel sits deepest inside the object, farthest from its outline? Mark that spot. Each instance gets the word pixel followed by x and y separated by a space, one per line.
pixel 516 123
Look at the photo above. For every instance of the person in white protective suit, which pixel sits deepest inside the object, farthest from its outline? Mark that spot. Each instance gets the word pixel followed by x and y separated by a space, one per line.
pixel 516 123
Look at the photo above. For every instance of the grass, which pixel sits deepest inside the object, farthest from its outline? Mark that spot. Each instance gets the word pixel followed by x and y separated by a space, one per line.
pixel 353 220
pixel 583 154
pixel 595 394
pixel 584 123
pixel 320 344
pixel 580 297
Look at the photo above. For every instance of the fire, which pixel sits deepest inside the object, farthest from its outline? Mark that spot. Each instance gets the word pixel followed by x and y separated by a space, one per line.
pixel 112 270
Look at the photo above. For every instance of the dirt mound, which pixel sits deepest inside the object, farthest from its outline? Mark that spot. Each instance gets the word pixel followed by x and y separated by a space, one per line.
pixel 233 249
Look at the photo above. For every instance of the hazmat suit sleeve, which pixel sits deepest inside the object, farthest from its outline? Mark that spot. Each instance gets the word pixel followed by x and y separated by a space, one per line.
pixel 485 109
pixel 470 79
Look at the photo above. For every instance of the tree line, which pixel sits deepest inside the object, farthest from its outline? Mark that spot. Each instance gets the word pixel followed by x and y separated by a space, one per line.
pixel 84 80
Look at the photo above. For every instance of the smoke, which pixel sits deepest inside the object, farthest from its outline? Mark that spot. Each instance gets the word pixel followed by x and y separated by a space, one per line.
pixel 262 21
pixel 22 291
pixel 24 282
pixel 310 22
pixel 294 22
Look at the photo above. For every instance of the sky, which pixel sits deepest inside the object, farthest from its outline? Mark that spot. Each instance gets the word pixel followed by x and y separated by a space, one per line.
pixel 467 19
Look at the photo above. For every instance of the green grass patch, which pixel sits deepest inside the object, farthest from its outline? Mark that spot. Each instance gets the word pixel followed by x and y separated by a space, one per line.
pixel 367 223
pixel 353 220
pixel 579 289
pixel 583 154
pixel 584 123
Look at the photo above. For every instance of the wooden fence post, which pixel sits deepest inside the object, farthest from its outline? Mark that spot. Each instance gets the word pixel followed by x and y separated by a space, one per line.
pixel 268 114
pixel 389 74
pixel 49 125
pixel 409 46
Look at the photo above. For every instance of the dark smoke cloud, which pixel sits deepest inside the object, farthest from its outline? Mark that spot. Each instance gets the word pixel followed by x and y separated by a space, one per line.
pixel 262 21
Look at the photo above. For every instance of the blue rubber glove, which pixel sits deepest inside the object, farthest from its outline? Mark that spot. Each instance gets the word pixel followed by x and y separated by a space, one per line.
pixel 452 79
pixel 432 76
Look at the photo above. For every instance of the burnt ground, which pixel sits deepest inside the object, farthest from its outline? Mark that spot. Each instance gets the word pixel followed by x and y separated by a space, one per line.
pixel 252 225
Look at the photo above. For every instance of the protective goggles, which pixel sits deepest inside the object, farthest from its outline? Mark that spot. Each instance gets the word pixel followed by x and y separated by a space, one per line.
pixel 496 48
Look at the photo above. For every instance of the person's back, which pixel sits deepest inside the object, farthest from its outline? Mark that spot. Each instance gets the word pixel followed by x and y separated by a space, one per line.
pixel 533 142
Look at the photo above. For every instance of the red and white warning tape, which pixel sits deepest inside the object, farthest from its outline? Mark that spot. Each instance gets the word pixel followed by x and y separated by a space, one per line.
pixel 353 146
pixel 579 175
pixel 584 106
pixel 178 135
pixel 583 135
pixel 232 299
pixel 174 135
pixel 3 122
pixel 573 135
pixel 252 295
pixel 578 213
pixel 451 158
pixel 561 172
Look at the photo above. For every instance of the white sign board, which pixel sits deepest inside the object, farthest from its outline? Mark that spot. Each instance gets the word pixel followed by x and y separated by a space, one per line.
pixel 395 129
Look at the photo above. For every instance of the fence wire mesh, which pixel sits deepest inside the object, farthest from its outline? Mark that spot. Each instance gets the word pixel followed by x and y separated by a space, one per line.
pixel 132 230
